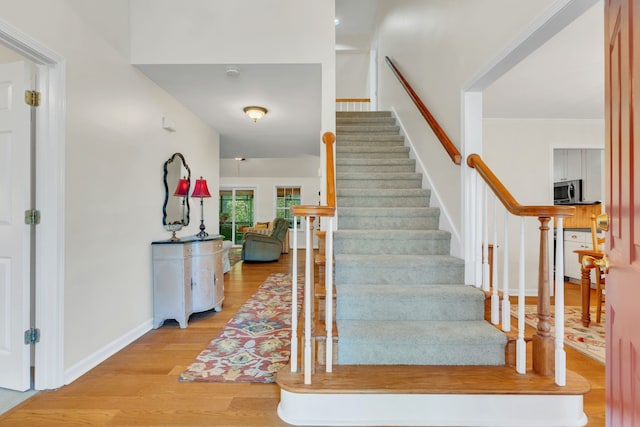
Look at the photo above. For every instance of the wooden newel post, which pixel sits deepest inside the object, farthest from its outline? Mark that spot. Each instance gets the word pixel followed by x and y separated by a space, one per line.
pixel 542 341
pixel 329 138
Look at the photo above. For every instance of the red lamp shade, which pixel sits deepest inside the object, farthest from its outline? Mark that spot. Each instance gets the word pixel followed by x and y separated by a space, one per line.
pixel 201 189
pixel 182 189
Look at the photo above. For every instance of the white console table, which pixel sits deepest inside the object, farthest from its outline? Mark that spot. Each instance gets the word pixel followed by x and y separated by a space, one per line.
pixel 187 278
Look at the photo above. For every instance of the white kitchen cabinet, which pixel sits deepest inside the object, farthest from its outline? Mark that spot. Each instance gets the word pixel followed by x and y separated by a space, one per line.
pixel 567 164
pixel 592 174
pixel 575 240
pixel 187 278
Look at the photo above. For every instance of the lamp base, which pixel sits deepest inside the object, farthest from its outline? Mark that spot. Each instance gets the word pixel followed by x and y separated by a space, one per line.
pixel 202 234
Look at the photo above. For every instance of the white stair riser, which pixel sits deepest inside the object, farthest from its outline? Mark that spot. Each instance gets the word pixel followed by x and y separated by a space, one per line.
pixel 477 410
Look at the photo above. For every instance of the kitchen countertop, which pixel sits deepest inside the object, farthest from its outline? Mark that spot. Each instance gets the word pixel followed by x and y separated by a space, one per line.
pixel 597 202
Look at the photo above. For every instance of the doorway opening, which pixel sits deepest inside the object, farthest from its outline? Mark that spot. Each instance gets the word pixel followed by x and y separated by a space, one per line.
pixel 237 209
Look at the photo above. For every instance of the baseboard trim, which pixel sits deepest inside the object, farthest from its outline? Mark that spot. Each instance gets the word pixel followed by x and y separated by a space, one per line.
pixel 93 360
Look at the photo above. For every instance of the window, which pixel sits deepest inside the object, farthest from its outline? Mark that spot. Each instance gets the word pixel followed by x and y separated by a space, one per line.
pixel 285 198
pixel 236 211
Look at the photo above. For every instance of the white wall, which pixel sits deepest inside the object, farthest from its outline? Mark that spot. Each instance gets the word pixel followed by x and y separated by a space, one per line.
pixel 307 166
pixel 115 150
pixel 439 46
pixel 352 74
pixel 264 175
pixel 529 143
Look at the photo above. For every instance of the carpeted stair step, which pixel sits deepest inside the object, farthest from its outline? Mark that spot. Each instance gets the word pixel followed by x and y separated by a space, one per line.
pixel 375 165
pixel 372 152
pixel 398 242
pixel 384 342
pixel 365 120
pixel 377 142
pixel 376 128
pixel 346 139
pixel 389 269
pixel 363 114
pixel 391 197
pixel 379 180
pixel 410 302
pixel 399 218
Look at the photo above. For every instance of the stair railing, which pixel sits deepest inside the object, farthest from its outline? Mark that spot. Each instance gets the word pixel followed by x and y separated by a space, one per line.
pixel 543 343
pixel 310 213
pixel 442 136
pixel 353 104
pixel 545 348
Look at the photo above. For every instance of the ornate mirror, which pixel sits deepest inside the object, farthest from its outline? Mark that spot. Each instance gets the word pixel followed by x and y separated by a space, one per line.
pixel 177 183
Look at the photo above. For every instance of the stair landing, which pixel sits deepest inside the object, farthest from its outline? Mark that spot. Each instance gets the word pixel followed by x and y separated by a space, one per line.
pixel 358 395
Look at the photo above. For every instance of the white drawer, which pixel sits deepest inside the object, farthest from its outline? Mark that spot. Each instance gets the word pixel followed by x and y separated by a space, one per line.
pixel 577 236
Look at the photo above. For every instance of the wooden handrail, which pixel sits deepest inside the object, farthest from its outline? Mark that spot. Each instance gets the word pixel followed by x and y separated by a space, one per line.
pixel 353 99
pixel 512 205
pixel 449 147
pixel 312 210
pixel 329 138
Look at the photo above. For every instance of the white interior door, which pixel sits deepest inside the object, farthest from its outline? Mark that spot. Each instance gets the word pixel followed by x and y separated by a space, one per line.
pixel 15 196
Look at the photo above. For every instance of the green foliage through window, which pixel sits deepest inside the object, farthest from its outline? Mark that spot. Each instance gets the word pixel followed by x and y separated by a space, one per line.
pixel 285 198
pixel 244 212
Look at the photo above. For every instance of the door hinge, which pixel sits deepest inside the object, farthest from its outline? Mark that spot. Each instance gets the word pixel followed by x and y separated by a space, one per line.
pixel 32 216
pixel 32 336
pixel 32 97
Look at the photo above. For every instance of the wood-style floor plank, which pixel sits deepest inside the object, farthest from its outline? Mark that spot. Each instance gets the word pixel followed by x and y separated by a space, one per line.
pixel 434 379
pixel 139 385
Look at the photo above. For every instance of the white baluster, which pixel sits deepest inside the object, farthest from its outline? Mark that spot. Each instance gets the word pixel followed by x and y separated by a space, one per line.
pixel 506 304
pixel 328 277
pixel 521 348
pixel 495 298
pixel 294 300
pixel 477 231
pixel 560 354
pixel 308 279
pixel 486 286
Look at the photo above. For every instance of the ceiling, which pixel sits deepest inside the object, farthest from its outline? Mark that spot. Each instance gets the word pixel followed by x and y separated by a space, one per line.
pixel 290 93
pixel 562 79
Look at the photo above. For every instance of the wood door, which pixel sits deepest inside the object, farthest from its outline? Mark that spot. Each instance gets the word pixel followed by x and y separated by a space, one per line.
pixel 622 53
pixel 15 198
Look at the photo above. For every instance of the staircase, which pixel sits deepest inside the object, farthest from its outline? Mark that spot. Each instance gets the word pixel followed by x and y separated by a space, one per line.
pixel 400 295
pixel 413 347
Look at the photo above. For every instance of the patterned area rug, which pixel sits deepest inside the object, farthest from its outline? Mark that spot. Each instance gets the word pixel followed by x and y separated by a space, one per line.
pixel 255 343
pixel 588 341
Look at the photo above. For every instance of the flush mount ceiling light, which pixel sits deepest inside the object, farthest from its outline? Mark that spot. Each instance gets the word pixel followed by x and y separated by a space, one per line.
pixel 255 113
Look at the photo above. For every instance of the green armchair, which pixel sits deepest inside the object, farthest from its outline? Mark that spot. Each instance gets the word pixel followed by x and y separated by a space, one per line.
pixel 263 247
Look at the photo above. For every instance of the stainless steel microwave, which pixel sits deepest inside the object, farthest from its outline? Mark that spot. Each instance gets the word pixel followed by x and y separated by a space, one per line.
pixel 567 192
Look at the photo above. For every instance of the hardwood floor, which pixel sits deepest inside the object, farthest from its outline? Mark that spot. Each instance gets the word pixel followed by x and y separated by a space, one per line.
pixel 139 385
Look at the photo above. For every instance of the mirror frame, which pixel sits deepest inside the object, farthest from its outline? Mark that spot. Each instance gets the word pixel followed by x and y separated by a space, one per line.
pixel 185 220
